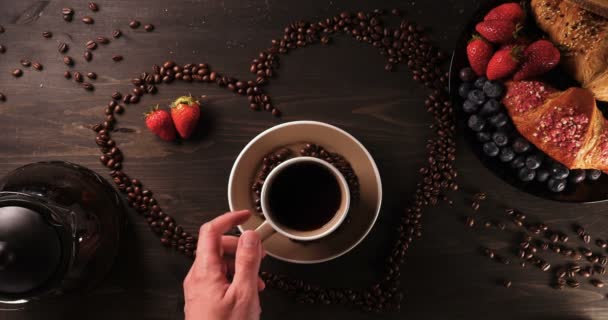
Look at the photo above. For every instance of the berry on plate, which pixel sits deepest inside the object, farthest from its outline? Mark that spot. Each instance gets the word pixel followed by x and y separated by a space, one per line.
pixel 160 123
pixel 537 59
pixel 185 112
pixel 504 62
pixel 479 52
pixel 498 31
pixel 511 11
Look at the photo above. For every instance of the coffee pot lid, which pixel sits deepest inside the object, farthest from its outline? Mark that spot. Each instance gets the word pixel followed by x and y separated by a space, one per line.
pixel 30 250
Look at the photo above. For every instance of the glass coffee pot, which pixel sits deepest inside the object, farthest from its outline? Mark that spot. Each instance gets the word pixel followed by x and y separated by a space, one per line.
pixel 60 228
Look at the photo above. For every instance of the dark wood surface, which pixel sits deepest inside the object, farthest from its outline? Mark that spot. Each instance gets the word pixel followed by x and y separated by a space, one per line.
pixel 47 117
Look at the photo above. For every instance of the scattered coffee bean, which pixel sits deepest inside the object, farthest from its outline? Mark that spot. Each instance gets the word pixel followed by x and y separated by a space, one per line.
pixel 2 97
pixel 93 6
pixel 17 73
pixel 507 283
pixel 91 45
pixel 2 48
pixel 25 62
pixel 573 283
pixel 67 17
pixel 88 55
pixel 78 76
pixel 586 238
pixel 1 29
pixel 116 95
pixel 68 61
pixel 88 20
pixel 88 86
pixel 103 40
pixel 47 34
pixel 67 74
pixel 116 34
pixel 67 11
pixel 134 24
pixel 63 47
pixel 597 283
pixel 149 27
pixel 117 58
pixel 91 75
pixel 37 66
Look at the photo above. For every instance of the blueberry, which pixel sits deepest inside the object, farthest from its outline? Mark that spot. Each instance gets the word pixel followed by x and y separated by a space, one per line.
pixel 493 89
pixel 518 162
pixel 526 174
pixel 477 96
pixel 576 176
pixel 464 89
pixel 500 138
pixel 484 136
pixel 534 161
pixel 480 82
pixel 558 171
pixel 506 154
pixel 467 74
pixel 521 145
pixel 556 185
pixel 593 174
pixel 499 120
pixel 476 123
pixel 490 149
pixel 469 107
pixel 490 107
pixel 542 175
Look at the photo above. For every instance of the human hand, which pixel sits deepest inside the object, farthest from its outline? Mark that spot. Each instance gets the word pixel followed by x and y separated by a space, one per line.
pixel 208 293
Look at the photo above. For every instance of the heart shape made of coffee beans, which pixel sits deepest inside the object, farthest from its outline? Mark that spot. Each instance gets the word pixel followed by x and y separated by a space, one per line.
pixel 404 44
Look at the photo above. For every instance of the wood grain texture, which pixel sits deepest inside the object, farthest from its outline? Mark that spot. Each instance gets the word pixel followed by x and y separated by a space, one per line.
pixel 46 117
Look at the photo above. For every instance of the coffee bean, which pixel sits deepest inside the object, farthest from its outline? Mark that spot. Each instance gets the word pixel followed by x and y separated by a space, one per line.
pixel 67 11
pixel 586 238
pixel 88 20
pixel 116 33
pixel 92 75
pixel 93 6
pixel 78 76
pixel 17 73
pixel 2 48
pixel 134 24
pixel 276 113
pixel 47 34
pixel 68 61
pixel 574 268
pixel 25 62
pixel 63 47
pixel 91 45
pixel 103 40
pixel 573 283
pixel 116 95
pixel 545 266
pixel 88 56
pixel 597 283
pixel 506 283
pixel 2 97
pixel 117 58
pixel 67 17
pixel 149 27
pixel 134 99
pixel 88 86
pixel 67 74
pixel 119 109
pixel 37 66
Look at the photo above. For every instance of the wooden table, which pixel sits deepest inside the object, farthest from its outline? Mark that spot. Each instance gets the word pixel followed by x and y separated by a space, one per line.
pixel 47 117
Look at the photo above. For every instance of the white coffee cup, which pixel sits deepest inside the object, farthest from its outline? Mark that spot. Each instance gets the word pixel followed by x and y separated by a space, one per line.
pixel 271 225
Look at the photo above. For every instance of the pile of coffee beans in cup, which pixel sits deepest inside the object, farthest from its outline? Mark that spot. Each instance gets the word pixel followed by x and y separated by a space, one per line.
pixel 403 44
pixel 276 157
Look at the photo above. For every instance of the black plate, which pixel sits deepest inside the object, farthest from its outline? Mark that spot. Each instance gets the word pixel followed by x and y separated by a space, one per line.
pixel 586 192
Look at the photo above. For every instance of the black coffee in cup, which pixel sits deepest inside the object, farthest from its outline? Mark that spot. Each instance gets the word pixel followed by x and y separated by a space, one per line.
pixel 304 196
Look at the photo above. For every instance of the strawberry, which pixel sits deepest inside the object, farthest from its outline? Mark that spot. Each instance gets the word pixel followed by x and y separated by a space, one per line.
pixel 160 123
pixel 509 11
pixel 504 62
pixel 479 52
pixel 498 31
pixel 538 58
pixel 185 112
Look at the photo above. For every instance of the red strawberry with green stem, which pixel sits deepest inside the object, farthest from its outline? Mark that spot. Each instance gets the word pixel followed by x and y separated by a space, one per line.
pixel 499 31
pixel 508 11
pixel 504 62
pixel 160 123
pixel 185 112
pixel 479 52
pixel 538 58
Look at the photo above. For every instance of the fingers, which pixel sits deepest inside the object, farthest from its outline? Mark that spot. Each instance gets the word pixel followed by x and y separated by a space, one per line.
pixel 247 261
pixel 209 249
pixel 229 263
pixel 229 244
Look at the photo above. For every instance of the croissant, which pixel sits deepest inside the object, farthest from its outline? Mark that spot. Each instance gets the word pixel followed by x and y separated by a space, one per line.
pixel 583 36
pixel 566 125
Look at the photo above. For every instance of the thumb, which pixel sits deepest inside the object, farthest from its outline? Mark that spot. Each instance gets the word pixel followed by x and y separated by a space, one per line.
pixel 247 261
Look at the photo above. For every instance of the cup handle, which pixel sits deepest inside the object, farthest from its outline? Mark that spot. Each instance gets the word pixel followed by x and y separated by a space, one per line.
pixel 265 230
